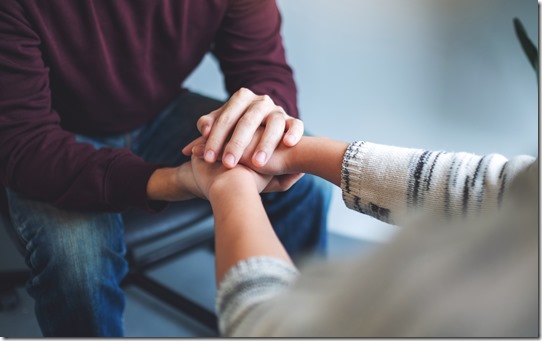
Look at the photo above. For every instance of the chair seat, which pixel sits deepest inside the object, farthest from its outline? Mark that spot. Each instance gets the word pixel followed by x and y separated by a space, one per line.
pixel 142 227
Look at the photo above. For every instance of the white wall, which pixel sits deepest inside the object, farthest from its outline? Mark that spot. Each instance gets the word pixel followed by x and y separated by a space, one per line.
pixel 435 74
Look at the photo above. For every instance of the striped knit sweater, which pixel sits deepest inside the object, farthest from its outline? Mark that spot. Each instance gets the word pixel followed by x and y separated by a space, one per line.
pixel 376 296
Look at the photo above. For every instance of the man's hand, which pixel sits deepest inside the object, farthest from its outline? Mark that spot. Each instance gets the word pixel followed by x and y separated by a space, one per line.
pixel 240 118
pixel 173 184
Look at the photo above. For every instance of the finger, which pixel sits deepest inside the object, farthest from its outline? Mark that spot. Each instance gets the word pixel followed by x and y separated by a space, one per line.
pixel 294 131
pixel 205 122
pixel 198 150
pixel 274 130
pixel 187 150
pixel 226 121
pixel 245 130
pixel 282 183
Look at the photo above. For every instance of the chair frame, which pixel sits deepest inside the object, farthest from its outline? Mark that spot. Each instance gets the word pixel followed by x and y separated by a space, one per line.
pixel 139 265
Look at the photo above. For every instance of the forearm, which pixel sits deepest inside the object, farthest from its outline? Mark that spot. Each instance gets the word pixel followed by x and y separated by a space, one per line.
pixel 319 156
pixel 242 229
pixel 390 182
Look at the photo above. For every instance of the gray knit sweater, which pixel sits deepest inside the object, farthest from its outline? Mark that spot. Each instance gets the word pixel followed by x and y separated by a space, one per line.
pixel 464 263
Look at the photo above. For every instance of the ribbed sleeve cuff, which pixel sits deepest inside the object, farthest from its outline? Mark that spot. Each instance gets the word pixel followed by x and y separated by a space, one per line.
pixel 352 172
pixel 126 184
pixel 248 283
pixel 375 178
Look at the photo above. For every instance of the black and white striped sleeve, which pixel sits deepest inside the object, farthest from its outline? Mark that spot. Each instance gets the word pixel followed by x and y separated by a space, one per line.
pixel 389 183
pixel 248 283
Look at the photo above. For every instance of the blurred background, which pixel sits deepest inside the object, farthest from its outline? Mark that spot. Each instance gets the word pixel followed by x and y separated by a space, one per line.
pixel 434 74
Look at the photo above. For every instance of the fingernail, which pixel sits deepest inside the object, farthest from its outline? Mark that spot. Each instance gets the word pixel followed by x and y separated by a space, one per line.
pixel 261 157
pixel 290 138
pixel 229 159
pixel 210 156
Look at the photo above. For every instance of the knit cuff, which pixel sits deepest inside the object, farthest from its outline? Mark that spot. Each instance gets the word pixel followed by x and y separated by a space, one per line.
pixel 375 178
pixel 248 283
pixel 352 171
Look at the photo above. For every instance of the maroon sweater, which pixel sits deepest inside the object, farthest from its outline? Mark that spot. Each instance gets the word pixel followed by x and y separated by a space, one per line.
pixel 99 67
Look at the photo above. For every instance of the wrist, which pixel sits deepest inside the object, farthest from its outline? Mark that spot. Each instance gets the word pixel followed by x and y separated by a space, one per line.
pixel 231 184
pixel 169 184
pixel 319 156
pixel 301 155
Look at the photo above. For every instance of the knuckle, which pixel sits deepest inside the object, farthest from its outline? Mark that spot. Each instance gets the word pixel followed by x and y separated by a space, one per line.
pixel 236 144
pixel 266 99
pixel 267 146
pixel 270 140
pixel 244 92
pixel 212 143
pixel 266 142
pixel 277 116
pixel 252 118
pixel 299 123
pixel 226 119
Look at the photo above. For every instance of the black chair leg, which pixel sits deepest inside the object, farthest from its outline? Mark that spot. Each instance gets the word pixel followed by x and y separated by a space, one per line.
pixel 9 281
pixel 175 300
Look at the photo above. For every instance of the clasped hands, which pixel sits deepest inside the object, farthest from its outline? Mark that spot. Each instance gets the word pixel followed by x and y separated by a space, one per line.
pixel 249 138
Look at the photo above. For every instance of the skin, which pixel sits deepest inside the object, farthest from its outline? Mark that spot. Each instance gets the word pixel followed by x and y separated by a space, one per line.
pixel 319 156
pixel 242 116
pixel 242 228
pixel 251 120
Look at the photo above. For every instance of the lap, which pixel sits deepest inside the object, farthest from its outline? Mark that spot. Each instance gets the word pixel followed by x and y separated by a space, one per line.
pixel 48 232
pixel 162 140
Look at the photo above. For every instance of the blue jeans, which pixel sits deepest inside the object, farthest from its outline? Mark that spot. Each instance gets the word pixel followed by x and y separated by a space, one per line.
pixel 77 259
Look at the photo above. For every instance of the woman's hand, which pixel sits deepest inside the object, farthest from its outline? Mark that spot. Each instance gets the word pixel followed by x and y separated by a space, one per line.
pixel 214 176
pixel 279 183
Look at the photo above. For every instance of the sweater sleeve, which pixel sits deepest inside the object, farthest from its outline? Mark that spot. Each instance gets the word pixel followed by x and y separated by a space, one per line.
pixel 264 296
pixel 246 285
pixel 249 48
pixel 37 157
pixel 391 183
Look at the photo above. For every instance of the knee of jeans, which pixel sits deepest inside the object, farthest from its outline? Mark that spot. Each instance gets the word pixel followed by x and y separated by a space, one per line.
pixel 79 252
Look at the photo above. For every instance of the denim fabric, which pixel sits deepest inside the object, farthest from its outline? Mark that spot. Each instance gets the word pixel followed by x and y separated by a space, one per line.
pixel 77 259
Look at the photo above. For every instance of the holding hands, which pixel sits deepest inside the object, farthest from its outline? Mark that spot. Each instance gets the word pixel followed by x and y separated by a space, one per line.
pixel 248 129
pixel 215 177
pixel 206 175
pixel 230 129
